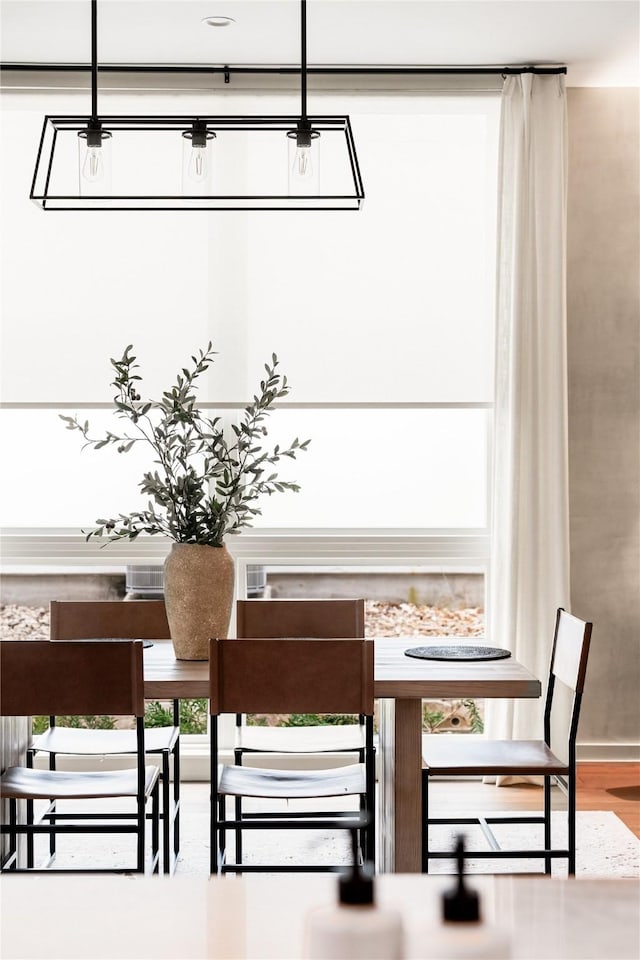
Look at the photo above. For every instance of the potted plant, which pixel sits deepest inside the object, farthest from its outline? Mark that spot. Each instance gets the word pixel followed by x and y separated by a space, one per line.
pixel 205 482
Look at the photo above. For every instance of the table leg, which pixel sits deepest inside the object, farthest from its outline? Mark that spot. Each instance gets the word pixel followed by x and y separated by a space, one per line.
pixel 400 828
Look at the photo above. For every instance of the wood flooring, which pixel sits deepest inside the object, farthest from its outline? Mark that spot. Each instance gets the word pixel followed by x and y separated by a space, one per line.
pixel 601 786
pixel 611 786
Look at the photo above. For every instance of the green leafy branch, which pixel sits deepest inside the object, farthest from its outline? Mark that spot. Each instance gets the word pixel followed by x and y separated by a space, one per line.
pixel 204 484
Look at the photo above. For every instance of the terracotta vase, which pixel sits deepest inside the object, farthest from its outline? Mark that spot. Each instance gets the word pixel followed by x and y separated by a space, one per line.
pixel 198 594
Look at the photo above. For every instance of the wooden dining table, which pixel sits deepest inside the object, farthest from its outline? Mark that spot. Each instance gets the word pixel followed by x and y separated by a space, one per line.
pixel 400 684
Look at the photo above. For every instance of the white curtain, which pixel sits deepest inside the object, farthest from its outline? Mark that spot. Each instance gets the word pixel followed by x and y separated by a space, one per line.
pixel 530 573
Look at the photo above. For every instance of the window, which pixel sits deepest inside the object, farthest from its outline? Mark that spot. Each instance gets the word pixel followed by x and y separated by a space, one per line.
pixel 382 321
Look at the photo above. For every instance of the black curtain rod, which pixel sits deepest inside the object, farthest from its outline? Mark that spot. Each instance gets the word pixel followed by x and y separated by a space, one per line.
pixel 329 71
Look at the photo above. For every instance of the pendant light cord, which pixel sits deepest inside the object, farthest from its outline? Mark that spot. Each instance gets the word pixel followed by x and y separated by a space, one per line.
pixel 94 59
pixel 303 59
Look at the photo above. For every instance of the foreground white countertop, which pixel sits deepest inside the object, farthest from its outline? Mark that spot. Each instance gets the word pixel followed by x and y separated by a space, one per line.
pixel 263 917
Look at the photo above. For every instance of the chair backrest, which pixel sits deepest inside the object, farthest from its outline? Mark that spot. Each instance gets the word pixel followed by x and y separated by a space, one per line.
pixel 570 650
pixel 71 678
pixel 126 619
pixel 569 655
pixel 292 675
pixel 300 618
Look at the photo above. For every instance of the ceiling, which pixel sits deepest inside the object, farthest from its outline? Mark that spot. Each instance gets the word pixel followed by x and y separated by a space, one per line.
pixel 599 40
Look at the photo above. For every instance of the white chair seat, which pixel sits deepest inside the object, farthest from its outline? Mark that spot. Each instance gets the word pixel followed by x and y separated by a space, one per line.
pixel 320 739
pixel 75 740
pixel 24 783
pixel 291 784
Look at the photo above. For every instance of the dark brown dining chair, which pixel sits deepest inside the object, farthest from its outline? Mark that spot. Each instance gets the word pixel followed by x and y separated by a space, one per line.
pixel 272 675
pixel 298 618
pixel 456 756
pixel 119 619
pixel 75 679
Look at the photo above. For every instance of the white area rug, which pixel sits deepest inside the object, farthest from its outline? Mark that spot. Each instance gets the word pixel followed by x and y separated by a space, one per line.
pixel 605 847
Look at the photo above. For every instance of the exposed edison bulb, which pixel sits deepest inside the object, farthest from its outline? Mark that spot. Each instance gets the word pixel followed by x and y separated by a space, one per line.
pixel 198 163
pixel 302 163
pixel 197 159
pixel 93 167
pixel 94 160
pixel 304 160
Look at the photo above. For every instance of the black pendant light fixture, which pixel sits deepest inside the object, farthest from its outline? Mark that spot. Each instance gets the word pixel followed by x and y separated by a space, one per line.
pixel 304 156
pixel 94 146
pixel 228 162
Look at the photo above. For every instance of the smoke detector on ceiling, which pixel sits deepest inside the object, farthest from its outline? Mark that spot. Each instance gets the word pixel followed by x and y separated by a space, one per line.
pixel 218 21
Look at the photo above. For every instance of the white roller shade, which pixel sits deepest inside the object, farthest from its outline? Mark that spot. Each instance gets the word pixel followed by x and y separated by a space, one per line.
pixel 393 303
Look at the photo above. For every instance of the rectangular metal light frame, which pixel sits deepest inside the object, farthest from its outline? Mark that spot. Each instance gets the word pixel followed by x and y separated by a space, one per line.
pixel 53 125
